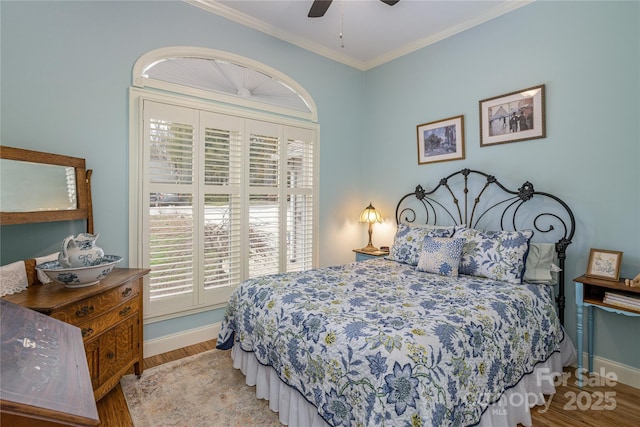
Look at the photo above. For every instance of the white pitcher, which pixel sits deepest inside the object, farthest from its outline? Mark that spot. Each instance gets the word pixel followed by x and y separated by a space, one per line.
pixel 80 251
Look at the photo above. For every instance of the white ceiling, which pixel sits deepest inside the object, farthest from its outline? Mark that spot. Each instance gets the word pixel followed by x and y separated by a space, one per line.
pixel 373 32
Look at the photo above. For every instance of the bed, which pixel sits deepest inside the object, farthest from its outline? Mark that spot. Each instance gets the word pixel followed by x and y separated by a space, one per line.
pixel 457 326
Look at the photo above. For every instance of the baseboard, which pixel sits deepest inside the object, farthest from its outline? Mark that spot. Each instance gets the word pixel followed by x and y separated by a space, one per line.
pixel 179 340
pixel 627 375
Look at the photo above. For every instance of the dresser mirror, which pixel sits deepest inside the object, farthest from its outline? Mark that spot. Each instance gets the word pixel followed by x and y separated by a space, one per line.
pixel 43 187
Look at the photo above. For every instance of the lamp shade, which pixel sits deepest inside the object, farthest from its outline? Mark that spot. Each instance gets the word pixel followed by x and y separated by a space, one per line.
pixel 370 215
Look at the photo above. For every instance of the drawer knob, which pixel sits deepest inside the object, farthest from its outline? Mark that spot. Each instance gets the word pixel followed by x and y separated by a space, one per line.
pixel 85 310
pixel 86 332
pixel 125 311
pixel 111 355
pixel 127 292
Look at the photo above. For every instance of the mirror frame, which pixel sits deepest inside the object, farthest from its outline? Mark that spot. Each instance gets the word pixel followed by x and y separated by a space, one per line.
pixel 83 188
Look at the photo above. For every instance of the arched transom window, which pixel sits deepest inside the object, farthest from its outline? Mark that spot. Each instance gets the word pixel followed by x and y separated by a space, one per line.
pixel 224 76
pixel 223 176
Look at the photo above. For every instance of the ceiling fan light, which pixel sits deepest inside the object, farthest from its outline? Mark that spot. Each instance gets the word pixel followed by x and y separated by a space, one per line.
pixel 243 92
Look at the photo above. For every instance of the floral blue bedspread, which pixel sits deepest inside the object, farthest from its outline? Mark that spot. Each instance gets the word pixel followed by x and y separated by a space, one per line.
pixel 377 343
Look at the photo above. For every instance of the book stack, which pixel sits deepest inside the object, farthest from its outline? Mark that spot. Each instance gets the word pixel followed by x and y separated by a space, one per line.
pixel 623 301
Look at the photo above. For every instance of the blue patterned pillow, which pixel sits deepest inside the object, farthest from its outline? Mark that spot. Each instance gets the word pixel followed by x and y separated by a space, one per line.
pixel 441 255
pixel 498 255
pixel 407 245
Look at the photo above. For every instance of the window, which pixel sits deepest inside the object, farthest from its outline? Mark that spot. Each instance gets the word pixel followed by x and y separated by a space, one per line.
pixel 224 195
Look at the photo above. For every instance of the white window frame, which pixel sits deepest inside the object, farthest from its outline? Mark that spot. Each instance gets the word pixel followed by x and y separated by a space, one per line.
pixel 141 80
pixel 215 103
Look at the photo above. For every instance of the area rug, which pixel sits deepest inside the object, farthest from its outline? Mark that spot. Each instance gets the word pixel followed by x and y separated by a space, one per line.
pixel 200 390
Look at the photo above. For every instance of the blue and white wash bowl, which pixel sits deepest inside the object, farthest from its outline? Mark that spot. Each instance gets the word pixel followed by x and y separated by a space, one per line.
pixel 79 277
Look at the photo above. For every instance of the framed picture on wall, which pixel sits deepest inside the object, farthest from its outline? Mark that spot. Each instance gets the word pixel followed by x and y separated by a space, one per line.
pixel 604 264
pixel 441 141
pixel 515 116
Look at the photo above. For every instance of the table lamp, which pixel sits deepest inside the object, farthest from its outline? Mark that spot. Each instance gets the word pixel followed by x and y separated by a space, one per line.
pixel 370 215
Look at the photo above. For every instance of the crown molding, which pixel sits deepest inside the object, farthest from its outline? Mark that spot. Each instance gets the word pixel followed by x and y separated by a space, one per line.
pixel 214 7
pixel 495 12
pixel 256 24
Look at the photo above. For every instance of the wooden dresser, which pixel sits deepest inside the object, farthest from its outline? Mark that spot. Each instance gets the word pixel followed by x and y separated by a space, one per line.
pixel 109 315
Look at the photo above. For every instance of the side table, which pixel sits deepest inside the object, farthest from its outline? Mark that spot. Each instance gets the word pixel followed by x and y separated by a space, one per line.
pixel 590 293
pixel 362 255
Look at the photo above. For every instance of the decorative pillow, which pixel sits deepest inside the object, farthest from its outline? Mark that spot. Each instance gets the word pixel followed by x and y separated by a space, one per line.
pixel 540 263
pixel 440 255
pixel 498 255
pixel 13 278
pixel 407 245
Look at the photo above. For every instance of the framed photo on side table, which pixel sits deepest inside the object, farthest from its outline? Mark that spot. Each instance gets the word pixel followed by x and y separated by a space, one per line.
pixel 515 116
pixel 441 141
pixel 604 264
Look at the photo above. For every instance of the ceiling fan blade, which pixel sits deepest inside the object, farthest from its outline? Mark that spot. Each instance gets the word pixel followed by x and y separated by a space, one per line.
pixel 319 8
pixel 390 2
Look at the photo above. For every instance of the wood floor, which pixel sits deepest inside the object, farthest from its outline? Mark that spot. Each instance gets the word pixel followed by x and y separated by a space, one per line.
pixel 112 409
pixel 570 406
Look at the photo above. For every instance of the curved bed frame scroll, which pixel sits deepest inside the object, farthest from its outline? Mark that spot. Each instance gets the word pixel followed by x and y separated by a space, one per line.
pixel 479 200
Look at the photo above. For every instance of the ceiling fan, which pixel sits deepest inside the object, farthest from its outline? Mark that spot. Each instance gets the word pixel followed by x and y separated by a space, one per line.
pixel 319 7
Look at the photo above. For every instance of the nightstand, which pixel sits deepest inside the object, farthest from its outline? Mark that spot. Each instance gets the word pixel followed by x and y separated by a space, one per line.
pixel 590 293
pixel 362 255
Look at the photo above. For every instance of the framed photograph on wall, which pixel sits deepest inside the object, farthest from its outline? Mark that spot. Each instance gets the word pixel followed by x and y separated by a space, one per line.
pixel 441 141
pixel 604 264
pixel 516 116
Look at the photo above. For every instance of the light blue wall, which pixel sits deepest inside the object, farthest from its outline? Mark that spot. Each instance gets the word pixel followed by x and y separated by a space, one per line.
pixel 588 56
pixel 66 68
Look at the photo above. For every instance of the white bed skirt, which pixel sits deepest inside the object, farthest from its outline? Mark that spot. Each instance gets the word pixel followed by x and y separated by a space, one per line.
pixel 514 407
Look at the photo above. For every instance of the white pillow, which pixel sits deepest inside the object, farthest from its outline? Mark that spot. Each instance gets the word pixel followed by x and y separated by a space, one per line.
pixel 540 263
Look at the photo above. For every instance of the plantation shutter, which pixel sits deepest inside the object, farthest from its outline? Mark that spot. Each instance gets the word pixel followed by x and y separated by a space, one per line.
pixel 226 198
pixel 264 198
pixel 222 180
pixel 170 133
pixel 299 199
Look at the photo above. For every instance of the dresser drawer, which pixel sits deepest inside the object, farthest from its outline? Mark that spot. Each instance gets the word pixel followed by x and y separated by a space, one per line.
pixel 111 352
pixel 94 327
pixel 95 306
pixel 118 348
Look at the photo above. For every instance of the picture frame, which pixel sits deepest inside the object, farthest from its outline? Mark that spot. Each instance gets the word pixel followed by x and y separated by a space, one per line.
pixel 604 264
pixel 441 141
pixel 512 117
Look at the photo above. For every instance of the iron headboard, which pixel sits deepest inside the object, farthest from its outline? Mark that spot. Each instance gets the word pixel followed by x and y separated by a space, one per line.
pixel 479 200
